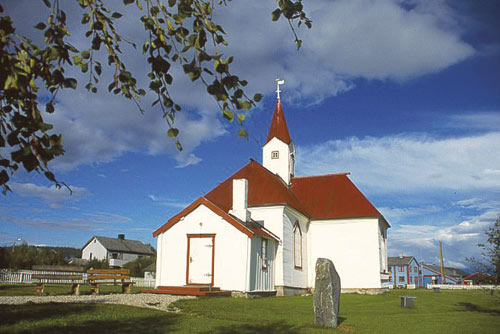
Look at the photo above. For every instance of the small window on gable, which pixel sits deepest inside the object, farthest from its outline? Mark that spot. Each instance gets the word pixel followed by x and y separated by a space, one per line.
pixel 275 155
pixel 297 246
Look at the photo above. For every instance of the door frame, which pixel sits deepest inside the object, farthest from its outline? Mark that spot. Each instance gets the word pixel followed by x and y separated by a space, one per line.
pixel 189 236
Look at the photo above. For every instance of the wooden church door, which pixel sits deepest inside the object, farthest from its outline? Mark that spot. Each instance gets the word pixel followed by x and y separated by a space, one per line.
pixel 200 259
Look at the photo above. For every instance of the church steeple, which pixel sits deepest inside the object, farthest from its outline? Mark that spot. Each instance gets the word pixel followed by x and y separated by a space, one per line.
pixel 278 128
pixel 278 151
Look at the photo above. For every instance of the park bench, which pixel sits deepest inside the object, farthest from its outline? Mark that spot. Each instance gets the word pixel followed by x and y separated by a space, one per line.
pixel 57 275
pixel 96 276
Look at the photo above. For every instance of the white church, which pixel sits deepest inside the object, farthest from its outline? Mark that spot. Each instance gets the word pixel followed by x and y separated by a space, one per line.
pixel 263 228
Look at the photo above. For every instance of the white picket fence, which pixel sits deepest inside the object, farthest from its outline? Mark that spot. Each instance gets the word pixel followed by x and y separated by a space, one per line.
pixel 24 277
pixel 463 287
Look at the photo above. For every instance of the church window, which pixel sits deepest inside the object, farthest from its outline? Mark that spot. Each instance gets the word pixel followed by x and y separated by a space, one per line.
pixel 275 155
pixel 297 246
pixel 264 253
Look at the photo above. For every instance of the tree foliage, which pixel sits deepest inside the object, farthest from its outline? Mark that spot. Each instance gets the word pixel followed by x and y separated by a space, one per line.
pixel 491 251
pixel 137 266
pixel 25 256
pixel 180 33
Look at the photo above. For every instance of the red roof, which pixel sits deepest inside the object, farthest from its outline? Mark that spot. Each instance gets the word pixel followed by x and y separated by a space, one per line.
pixel 318 197
pixel 264 188
pixel 332 196
pixel 278 128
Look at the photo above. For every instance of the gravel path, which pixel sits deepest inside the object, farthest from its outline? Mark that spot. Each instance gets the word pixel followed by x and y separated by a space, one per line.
pixel 158 302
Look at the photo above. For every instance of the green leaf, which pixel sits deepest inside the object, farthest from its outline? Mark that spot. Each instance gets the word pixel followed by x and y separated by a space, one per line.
pixel 246 105
pixel 257 97
pixel 116 15
pixel 50 176
pixel 128 2
pixel 85 54
pixel 299 43
pixel 70 83
pixel 228 114
pixel 173 132
pixel 243 133
pixel 275 15
pixel 47 3
pixel 241 117
pixel 49 107
pixel 171 3
pixel 4 177
pixel 40 26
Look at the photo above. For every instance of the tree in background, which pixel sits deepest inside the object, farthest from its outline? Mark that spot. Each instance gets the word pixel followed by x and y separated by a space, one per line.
pixel 137 266
pixel 25 257
pixel 96 264
pixel 491 251
pixel 181 33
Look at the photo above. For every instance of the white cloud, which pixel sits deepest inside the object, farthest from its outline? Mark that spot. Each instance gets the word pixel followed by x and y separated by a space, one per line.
pixel 52 194
pixel 168 202
pixel 350 39
pixel 100 221
pixel 479 204
pixel 381 39
pixel 408 162
pixel 485 121
pixel 394 214
pixel 459 240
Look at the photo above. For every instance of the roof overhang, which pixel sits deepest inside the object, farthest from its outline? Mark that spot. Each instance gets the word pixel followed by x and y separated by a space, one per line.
pixel 260 230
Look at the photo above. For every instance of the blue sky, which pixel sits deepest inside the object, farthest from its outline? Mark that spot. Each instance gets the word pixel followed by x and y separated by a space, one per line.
pixel 405 95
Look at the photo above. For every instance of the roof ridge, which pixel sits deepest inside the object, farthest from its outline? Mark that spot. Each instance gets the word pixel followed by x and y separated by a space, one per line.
pixel 322 175
pixel 288 187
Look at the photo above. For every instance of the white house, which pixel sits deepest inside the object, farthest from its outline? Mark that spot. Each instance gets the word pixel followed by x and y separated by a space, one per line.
pixel 117 251
pixel 263 228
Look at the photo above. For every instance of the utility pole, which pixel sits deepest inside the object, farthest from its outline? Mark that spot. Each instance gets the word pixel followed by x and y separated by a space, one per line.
pixel 443 280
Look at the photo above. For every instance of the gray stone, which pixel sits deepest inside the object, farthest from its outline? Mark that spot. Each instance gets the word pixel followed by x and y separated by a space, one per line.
pixel 326 294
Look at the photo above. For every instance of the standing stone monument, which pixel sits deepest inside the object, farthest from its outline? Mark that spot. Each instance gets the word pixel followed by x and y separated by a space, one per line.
pixel 326 294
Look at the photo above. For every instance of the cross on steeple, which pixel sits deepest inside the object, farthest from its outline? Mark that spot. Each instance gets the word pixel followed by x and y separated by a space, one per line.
pixel 278 83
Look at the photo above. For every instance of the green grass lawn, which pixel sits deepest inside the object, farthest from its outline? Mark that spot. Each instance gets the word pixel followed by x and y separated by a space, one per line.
pixel 56 289
pixel 445 312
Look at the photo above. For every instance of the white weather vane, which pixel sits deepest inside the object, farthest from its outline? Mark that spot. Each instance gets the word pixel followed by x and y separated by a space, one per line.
pixel 278 83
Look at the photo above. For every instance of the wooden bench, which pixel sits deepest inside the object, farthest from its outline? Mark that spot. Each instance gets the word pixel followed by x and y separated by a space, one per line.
pixel 57 275
pixel 94 276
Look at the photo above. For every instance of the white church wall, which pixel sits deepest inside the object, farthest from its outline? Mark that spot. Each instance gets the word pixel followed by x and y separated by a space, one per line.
pixel 95 248
pixel 294 277
pixel 159 255
pixel 280 165
pixel 262 267
pixel 352 245
pixel 272 217
pixel 230 266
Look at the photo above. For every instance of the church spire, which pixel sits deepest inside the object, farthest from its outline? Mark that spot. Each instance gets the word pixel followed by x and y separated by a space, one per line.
pixel 278 128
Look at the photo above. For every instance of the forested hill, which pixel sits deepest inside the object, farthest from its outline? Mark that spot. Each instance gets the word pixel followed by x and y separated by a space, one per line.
pixel 25 256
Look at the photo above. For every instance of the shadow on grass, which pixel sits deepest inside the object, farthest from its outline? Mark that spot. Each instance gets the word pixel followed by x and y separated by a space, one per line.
pixel 39 316
pixel 469 307
pixel 151 324
pixel 32 312
pixel 279 327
